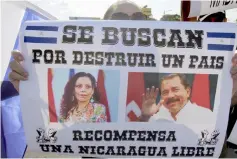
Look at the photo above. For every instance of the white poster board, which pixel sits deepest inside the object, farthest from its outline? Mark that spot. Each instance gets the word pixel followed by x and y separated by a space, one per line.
pixel 87 78
pixel 198 8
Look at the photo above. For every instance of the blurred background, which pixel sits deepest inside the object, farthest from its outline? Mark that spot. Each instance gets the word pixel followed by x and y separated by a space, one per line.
pixel 63 9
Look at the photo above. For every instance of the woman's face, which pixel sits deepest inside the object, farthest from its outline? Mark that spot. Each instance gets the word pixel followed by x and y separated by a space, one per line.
pixel 83 89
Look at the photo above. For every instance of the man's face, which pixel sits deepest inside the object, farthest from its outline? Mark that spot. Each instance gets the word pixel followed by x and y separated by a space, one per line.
pixel 174 94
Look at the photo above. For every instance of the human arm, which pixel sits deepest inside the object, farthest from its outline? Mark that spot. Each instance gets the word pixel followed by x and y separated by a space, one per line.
pixel 233 72
pixel 149 106
pixel 18 73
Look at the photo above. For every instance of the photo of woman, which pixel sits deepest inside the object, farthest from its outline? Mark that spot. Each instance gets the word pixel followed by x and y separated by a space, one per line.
pixel 79 101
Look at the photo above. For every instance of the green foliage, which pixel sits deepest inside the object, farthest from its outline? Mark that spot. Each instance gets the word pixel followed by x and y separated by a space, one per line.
pixel 170 17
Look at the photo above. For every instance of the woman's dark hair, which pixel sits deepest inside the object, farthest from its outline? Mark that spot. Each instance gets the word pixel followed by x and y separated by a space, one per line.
pixel 68 102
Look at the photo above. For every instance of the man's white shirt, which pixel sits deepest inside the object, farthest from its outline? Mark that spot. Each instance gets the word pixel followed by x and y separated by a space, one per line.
pixel 195 117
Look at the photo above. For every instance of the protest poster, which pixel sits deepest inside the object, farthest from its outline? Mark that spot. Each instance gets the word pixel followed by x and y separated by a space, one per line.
pixel 198 8
pixel 126 88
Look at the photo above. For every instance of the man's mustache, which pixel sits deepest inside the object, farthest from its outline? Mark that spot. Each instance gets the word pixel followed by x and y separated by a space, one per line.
pixel 171 100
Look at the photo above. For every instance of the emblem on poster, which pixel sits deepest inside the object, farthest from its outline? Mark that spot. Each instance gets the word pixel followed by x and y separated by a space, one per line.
pixel 207 139
pixel 44 137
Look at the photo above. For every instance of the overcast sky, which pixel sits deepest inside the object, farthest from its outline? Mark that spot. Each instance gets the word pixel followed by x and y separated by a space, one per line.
pixel 62 9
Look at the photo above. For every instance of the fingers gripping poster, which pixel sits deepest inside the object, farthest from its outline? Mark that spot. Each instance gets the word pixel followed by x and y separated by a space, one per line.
pixel 126 89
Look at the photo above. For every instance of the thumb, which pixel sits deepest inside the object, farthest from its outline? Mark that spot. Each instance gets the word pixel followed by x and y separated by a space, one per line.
pixel 159 104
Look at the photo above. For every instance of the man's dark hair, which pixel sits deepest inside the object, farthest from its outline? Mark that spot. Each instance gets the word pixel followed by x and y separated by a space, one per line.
pixel 182 78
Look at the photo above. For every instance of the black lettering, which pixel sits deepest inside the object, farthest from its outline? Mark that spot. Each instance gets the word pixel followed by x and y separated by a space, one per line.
pixel 89 58
pixel 182 151
pixel 142 151
pixel 83 149
pixel 56 148
pixel 44 148
pixel 200 151
pixel 157 42
pixel 36 53
pixel 99 58
pixel 197 38
pixel 132 59
pixel 93 150
pixel 85 36
pixel 211 4
pixel 108 135
pixel 60 57
pixel 193 59
pixel 128 40
pixel 109 56
pixel 132 151
pixel 68 149
pixel 203 62
pixel 213 59
pixel 121 151
pixel 210 151
pixel 162 136
pixel 48 56
pixel 100 150
pixel 119 137
pixel 89 135
pixel 110 150
pixel 151 151
pixel 120 59
pixel 78 57
pixel 162 152
pixel 77 135
pixel 132 133
pixel 178 61
pixel 141 63
pixel 144 38
pixel 98 135
pixel 141 136
pixel 220 62
pixel 151 135
pixel 171 136
pixel 214 3
pixel 166 60
pixel 70 31
pixel 175 35
pixel 175 151
pixel 108 33
pixel 226 2
pixel 191 151
pixel 150 60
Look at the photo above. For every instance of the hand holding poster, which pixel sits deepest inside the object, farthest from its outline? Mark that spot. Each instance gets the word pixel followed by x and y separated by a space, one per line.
pixel 121 88
pixel 198 8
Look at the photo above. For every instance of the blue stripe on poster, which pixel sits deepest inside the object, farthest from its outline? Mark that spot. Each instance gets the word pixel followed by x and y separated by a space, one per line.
pixel 42 28
pixel 220 35
pixel 219 47
pixel 50 40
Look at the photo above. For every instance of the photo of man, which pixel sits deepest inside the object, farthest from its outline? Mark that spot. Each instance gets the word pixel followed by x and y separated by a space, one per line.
pixel 175 104
pixel 174 97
